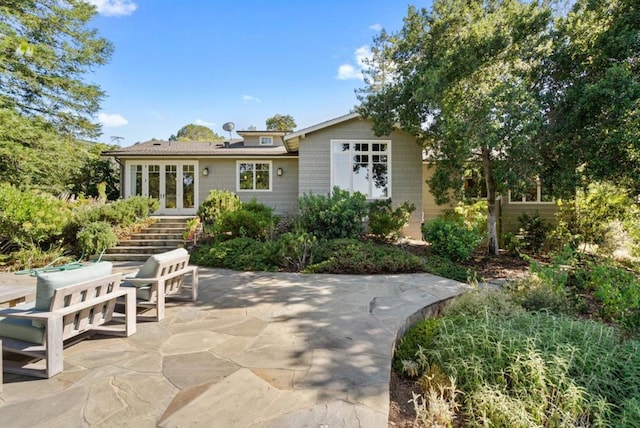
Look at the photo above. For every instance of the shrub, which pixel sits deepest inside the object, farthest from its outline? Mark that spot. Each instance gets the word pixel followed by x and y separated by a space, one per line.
pixel 386 223
pixel 534 294
pixel 451 239
pixel 95 237
pixel 442 266
pixel 418 336
pixel 336 216
pixel 350 256
pixel 471 215
pixel 31 256
pixel 252 220
pixel 294 251
pixel 216 203
pixel 244 254
pixel 27 217
pixel 619 292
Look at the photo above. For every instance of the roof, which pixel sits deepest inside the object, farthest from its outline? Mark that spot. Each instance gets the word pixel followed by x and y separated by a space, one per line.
pixel 292 139
pixel 190 148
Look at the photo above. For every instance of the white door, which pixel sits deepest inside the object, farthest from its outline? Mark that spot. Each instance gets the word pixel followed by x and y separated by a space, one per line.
pixel 173 184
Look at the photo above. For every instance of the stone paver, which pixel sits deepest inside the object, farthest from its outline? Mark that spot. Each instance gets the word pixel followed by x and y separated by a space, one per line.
pixel 256 350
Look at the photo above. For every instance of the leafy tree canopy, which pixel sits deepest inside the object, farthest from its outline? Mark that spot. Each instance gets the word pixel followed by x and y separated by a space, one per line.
pixel 46 51
pixel 281 122
pixel 460 78
pixel 593 99
pixel 194 132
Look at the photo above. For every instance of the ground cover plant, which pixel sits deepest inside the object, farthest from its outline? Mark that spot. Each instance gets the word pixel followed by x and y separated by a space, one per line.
pixel 513 367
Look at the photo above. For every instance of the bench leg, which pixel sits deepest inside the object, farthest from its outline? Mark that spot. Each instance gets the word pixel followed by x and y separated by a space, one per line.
pixel 160 300
pixel 54 358
pixel 194 284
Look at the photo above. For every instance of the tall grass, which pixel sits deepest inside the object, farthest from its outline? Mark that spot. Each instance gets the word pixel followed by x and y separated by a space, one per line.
pixel 523 369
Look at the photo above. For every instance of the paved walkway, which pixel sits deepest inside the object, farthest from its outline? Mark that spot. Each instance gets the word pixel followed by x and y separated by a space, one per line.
pixel 256 350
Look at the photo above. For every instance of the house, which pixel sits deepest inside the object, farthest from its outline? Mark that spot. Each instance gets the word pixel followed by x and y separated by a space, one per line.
pixel 277 167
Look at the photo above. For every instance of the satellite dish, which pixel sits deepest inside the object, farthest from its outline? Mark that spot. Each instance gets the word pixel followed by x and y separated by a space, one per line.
pixel 229 126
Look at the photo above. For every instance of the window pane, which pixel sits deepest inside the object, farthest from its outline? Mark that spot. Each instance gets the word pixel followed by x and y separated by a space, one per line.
pixel 340 147
pixel 154 181
pixel 171 187
pixel 531 194
pixel 188 178
pixel 246 176
pixel 361 178
pixel 380 185
pixel 262 176
pixel 136 180
pixel 546 191
pixel 342 171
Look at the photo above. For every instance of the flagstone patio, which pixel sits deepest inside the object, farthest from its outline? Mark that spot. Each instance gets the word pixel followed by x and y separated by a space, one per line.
pixel 256 350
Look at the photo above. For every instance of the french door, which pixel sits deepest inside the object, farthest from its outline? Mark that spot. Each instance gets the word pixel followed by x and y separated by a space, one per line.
pixel 173 184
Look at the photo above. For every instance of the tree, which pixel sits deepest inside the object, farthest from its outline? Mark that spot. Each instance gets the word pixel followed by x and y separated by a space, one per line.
pixel 193 132
pixel 593 101
pixel 460 78
pixel 46 51
pixel 96 170
pixel 281 122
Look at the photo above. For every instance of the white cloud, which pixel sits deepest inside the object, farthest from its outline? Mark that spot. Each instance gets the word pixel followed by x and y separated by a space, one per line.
pixel 251 98
pixel 114 7
pixel 375 27
pixel 112 120
pixel 204 123
pixel 348 71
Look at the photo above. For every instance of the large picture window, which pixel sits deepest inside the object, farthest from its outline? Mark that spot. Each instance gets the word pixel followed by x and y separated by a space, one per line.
pixel 254 176
pixel 362 166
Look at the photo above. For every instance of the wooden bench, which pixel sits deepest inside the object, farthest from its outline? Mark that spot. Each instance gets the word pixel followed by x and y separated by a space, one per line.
pixel 75 309
pixel 162 277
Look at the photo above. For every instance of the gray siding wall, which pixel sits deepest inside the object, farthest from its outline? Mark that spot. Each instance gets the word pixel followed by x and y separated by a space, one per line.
pixel 254 141
pixel 282 197
pixel 406 165
pixel 509 213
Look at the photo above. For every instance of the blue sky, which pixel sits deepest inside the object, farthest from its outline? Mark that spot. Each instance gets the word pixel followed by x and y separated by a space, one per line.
pixel 208 62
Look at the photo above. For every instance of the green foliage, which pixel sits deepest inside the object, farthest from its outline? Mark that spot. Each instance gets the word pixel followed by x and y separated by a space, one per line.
pixel 294 251
pixel 339 215
pixel 123 212
pixel 418 336
pixel 32 256
pixel 532 234
pixel 450 239
pixel 46 50
pixel 96 172
pixel 534 294
pixel 194 132
pixel 516 368
pixel 94 237
pixel 590 218
pixel 385 222
pixel 217 202
pixel 243 254
pixel 27 217
pixel 445 267
pixel 281 122
pixel 471 215
pixel 252 220
pixel 350 256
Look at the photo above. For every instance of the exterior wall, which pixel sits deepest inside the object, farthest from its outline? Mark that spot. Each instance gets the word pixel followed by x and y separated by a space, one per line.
pixel 283 196
pixel 406 164
pixel 429 207
pixel 254 140
pixel 509 213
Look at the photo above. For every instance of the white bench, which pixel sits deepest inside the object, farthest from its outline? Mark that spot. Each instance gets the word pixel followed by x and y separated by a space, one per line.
pixel 161 277
pixel 73 309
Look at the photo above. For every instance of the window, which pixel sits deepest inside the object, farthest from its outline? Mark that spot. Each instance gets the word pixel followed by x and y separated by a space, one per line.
pixel 362 166
pixel 266 141
pixel 537 191
pixel 254 176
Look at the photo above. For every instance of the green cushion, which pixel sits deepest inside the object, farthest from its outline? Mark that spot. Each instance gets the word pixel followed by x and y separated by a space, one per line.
pixel 21 329
pixel 48 282
pixel 150 268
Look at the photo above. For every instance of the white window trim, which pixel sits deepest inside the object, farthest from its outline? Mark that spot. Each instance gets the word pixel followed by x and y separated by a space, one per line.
pixel 254 162
pixel 268 137
pixel 389 163
pixel 538 197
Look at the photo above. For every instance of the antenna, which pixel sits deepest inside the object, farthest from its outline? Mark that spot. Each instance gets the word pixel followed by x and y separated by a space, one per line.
pixel 229 126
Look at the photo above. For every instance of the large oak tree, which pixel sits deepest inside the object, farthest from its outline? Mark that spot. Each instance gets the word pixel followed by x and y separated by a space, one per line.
pixel 460 77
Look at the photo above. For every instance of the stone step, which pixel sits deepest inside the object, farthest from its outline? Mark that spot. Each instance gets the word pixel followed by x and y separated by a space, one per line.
pixel 152 243
pixel 157 229
pixel 141 250
pixel 145 236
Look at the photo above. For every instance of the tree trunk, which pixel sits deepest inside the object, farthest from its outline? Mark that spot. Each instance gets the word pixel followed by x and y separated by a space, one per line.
pixel 492 230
